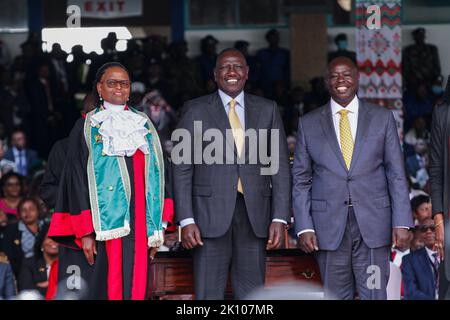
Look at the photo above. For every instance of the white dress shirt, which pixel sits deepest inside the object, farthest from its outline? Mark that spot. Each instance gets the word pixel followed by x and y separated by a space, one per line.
pixel 240 111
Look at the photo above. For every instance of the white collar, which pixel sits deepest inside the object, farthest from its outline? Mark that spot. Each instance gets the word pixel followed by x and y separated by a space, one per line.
pixel 123 131
pixel 352 107
pixel 113 107
pixel 17 151
pixel 430 252
pixel 226 98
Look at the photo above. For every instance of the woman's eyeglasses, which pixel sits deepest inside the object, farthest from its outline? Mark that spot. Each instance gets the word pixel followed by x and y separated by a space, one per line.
pixel 12 184
pixel 113 83
pixel 425 228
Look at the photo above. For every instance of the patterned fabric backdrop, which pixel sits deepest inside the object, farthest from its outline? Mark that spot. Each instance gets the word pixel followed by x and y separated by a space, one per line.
pixel 379 56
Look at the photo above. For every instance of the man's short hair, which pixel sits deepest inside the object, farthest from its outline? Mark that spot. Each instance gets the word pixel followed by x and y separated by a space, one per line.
pixel 417 201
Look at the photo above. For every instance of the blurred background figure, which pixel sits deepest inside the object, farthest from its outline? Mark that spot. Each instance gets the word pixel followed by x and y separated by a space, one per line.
pixel 421 206
pixel 7 279
pixel 437 90
pixel 318 95
pixel 242 46
pixel 295 108
pixel 418 102
pixel 341 43
pixel 136 94
pixel 40 271
pixel 20 237
pixel 160 112
pixel 12 192
pixel 418 163
pixel 207 61
pixel 24 158
pixel 273 65
pixel 184 74
pixel 418 131
pixel 5 164
pixel 421 62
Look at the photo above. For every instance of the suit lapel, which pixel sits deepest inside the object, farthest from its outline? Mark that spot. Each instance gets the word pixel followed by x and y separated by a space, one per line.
pixel 426 266
pixel 251 119
pixel 361 132
pixel 330 134
pixel 218 113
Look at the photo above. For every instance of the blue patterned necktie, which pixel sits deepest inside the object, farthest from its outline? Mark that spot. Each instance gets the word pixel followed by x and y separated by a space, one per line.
pixel 436 270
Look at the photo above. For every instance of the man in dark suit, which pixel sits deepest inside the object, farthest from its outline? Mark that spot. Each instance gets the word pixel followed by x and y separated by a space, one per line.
pixel 440 190
pixel 420 268
pixel 231 210
pixel 350 195
pixel 23 157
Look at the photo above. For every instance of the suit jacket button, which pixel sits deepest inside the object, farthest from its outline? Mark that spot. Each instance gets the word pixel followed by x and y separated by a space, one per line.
pixel 346 202
pixel 234 188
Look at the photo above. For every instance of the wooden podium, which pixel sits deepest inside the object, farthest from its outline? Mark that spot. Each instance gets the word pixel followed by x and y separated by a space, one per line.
pixel 171 274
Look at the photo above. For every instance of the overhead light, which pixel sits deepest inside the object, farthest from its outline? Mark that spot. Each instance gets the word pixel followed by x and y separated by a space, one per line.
pixel 121 45
pixel 88 38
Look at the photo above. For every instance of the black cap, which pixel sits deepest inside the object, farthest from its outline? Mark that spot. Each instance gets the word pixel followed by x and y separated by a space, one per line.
pixel 271 32
pixel 418 31
pixel 241 44
pixel 209 39
pixel 340 36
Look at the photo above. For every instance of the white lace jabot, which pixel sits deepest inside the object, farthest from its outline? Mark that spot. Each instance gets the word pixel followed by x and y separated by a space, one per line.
pixel 122 131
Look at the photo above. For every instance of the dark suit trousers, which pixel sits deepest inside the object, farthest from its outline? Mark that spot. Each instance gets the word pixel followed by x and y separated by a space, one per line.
pixel 354 267
pixel 238 251
pixel 444 286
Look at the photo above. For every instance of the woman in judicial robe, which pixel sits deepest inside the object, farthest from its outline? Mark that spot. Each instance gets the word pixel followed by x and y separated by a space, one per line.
pixel 109 206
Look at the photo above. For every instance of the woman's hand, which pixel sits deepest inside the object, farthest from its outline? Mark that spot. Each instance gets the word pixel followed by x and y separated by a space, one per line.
pixel 154 250
pixel 89 248
pixel 43 284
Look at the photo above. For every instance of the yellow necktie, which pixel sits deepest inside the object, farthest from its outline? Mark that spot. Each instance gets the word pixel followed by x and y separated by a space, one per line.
pixel 238 134
pixel 346 138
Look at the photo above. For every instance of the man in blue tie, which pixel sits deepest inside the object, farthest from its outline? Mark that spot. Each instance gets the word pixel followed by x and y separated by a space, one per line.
pixel 420 267
pixel 23 157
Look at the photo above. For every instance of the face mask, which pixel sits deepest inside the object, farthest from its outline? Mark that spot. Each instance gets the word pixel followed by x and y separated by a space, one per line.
pixel 342 44
pixel 437 90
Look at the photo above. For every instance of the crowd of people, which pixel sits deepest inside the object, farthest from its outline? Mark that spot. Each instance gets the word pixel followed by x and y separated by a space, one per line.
pixel 39 94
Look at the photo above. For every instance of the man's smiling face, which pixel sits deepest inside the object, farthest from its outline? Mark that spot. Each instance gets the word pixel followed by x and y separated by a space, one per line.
pixel 231 72
pixel 342 80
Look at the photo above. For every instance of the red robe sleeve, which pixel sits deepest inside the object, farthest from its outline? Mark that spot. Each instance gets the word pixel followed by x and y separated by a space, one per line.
pixel 52 281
